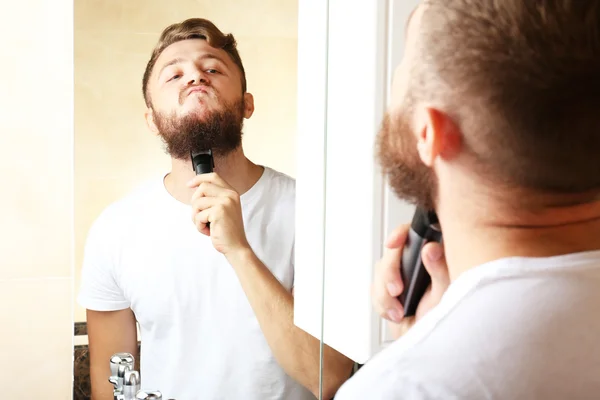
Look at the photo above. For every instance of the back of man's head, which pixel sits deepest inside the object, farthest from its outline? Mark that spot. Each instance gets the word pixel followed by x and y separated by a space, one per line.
pixel 521 78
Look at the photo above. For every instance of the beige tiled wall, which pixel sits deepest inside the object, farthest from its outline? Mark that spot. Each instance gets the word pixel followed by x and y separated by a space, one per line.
pixel 113 40
pixel 36 205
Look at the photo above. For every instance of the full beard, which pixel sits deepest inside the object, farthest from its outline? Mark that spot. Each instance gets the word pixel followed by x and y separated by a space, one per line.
pixel 220 131
pixel 410 179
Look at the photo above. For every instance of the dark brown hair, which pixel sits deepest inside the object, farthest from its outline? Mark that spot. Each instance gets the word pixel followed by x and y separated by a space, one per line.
pixel 193 28
pixel 522 80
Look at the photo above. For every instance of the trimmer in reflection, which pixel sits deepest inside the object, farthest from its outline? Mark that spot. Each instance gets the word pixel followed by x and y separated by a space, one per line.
pixel 424 228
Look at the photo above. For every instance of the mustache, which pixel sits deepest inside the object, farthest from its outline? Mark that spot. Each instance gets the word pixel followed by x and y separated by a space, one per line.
pixel 183 93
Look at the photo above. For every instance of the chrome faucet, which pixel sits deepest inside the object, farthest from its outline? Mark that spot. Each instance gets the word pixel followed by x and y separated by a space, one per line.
pixel 126 380
pixel 131 385
pixel 148 395
pixel 119 364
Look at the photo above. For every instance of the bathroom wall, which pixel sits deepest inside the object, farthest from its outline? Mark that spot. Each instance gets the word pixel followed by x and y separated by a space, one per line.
pixel 36 202
pixel 113 40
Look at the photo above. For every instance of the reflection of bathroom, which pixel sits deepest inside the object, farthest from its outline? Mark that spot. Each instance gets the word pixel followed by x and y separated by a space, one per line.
pixel 115 151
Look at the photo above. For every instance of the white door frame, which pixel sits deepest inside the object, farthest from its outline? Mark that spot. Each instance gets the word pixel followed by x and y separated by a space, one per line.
pixel 347 52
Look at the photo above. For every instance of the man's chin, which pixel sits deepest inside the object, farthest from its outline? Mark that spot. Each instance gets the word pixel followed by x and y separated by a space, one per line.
pixel 199 114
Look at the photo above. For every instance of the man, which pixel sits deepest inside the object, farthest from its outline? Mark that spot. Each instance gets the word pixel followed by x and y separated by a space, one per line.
pixel 213 302
pixel 494 124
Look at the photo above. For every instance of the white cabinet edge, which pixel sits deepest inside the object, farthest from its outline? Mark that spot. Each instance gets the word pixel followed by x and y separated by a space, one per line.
pixel 342 226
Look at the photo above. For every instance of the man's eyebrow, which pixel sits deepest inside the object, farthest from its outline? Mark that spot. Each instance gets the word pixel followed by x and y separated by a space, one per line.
pixel 206 56
pixel 172 62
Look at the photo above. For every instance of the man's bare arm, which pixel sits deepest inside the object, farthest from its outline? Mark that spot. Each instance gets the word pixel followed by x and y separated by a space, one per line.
pixel 296 351
pixel 109 332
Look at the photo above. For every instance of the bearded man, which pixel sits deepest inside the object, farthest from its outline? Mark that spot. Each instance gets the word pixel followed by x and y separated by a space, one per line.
pixel 493 124
pixel 204 264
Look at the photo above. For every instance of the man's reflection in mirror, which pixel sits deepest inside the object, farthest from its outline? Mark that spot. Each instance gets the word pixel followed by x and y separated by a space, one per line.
pixel 204 263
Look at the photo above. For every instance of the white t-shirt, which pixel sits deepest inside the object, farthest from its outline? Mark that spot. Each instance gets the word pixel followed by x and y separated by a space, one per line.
pixel 516 328
pixel 200 337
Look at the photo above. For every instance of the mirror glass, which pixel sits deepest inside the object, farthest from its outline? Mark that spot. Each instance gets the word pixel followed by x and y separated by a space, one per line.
pixel 211 315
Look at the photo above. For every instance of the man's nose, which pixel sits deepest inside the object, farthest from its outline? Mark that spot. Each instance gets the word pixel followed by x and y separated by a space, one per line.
pixel 198 77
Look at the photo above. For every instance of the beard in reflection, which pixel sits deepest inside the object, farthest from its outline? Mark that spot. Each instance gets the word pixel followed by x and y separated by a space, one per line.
pixel 220 131
pixel 397 154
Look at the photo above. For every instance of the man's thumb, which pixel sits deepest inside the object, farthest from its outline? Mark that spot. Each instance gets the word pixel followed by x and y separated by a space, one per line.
pixel 435 263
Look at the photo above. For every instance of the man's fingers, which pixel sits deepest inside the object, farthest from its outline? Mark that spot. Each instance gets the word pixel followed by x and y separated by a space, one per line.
pixel 388 286
pixel 198 179
pixel 398 236
pixel 207 189
pixel 201 219
pixel 435 263
pixel 208 178
pixel 386 306
pixel 389 271
pixel 209 207
pixel 203 203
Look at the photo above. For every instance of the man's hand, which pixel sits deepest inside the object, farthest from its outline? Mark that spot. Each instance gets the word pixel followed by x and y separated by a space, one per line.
pixel 387 282
pixel 216 202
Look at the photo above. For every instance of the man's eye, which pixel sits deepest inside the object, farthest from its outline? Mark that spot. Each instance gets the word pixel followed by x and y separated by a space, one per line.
pixel 174 77
pixel 212 71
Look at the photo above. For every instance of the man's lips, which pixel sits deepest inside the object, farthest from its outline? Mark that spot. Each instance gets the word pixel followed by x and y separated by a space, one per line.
pixel 197 89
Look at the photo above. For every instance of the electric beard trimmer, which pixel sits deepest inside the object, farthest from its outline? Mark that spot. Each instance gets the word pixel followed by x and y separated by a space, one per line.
pixel 203 163
pixel 424 228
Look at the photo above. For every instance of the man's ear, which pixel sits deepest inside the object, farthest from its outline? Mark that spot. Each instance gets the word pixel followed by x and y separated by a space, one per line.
pixel 437 136
pixel 248 105
pixel 149 115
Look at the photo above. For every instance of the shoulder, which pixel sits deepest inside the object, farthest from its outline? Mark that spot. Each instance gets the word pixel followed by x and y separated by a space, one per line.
pixel 281 181
pixel 416 374
pixel 391 384
pixel 280 186
pixel 121 213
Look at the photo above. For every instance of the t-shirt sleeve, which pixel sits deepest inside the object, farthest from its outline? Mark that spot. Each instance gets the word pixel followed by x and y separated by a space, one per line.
pixel 99 289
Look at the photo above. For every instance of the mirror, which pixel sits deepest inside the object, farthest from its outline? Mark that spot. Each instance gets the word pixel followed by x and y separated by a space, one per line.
pixel 195 306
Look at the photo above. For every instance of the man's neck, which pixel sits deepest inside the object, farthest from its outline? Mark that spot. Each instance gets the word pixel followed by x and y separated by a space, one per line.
pixel 237 170
pixel 483 231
